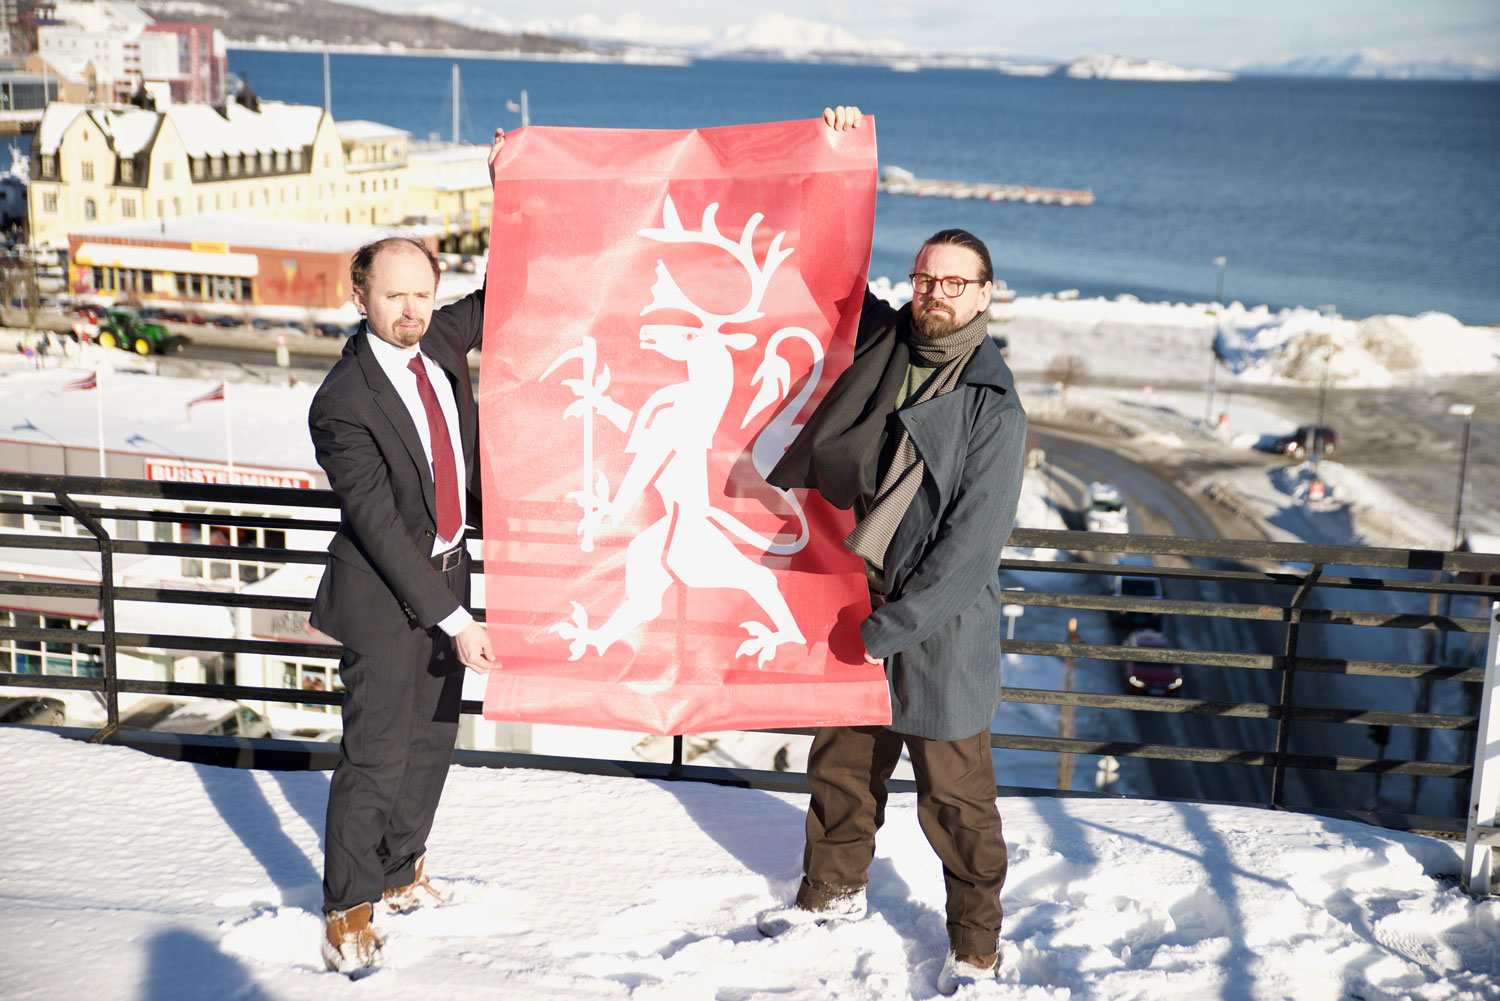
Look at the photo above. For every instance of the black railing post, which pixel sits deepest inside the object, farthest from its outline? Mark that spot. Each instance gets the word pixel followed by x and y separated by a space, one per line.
pixel 674 770
pixel 1287 663
pixel 106 611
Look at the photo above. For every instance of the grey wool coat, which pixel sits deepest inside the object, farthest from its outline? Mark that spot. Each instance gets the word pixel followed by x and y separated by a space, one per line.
pixel 939 628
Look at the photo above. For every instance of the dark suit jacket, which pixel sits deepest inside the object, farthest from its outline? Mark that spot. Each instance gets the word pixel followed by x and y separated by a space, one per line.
pixel 380 575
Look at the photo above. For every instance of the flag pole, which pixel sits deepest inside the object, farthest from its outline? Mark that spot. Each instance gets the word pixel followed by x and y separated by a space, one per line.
pixel 99 415
pixel 228 433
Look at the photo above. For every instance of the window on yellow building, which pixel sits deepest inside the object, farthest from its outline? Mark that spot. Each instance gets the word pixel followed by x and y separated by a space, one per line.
pixel 166 171
pixel 127 208
pixel 88 170
pixel 49 201
pixel 90 210
pixel 127 171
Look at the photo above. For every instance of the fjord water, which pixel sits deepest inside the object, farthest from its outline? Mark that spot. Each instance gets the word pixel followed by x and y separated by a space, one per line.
pixel 1371 196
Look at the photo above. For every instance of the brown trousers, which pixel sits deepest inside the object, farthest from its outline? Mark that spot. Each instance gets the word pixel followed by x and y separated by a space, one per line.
pixel 848 768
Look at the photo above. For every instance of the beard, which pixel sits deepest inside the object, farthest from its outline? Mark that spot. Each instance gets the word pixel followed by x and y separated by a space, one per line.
pixel 936 321
pixel 399 336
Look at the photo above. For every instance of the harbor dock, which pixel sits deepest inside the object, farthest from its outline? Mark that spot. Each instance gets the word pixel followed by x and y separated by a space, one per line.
pixel 896 181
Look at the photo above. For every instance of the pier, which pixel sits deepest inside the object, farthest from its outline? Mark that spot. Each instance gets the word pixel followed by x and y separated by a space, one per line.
pixel 901 182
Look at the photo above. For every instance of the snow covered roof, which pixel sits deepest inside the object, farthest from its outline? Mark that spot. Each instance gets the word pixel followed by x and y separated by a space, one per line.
pixel 240 232
pixel 274 128
pixel 56 120
pixel 358 129
pixel 129 129
pixel 446 153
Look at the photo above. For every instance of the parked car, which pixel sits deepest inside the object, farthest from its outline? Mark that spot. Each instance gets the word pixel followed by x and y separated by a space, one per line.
pixel 216 717
pixel 212 717
pixel 1107 511
pixel 32 710
pixel 1126 585
pixel 1146 677
pixel 1323 440
pixel 225 321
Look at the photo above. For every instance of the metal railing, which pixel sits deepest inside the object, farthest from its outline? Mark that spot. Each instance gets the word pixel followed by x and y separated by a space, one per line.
pixel 1261 592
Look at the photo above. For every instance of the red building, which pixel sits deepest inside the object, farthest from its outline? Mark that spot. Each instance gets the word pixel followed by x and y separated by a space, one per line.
pixel 201 70
pixel 224 260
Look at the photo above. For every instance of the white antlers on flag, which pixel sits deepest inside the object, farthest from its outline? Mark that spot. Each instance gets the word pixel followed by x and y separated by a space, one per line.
pixel 90 381
pixel 666 295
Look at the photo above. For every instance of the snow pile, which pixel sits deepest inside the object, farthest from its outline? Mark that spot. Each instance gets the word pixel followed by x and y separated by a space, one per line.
pixel 1376 351
pixel 1172 341
pixel 138 877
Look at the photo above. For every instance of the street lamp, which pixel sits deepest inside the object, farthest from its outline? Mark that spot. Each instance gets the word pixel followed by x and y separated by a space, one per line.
pixel 1466 411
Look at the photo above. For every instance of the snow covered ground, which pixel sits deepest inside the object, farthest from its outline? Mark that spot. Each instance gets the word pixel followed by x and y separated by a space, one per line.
pixel 133 877
pixel 1106 899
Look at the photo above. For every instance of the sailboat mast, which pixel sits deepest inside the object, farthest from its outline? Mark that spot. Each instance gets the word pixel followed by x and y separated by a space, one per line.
pixel 455 104
pixel 327 86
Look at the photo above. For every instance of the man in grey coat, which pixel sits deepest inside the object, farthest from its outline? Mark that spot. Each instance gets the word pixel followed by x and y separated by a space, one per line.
pixel 924 437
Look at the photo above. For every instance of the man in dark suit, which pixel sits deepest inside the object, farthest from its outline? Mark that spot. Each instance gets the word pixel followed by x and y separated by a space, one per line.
pixel 395 429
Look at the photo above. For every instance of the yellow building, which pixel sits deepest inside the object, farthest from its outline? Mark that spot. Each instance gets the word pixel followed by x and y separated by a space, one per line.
pixel 93 166
pixel 449 186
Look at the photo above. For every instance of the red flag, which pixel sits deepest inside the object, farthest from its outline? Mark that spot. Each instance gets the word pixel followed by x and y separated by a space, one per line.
pixel 217 393
pixel 90 381
pixel 668 308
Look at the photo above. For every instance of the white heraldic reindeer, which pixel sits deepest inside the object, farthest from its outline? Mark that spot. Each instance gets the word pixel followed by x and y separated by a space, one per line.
pixel 670 438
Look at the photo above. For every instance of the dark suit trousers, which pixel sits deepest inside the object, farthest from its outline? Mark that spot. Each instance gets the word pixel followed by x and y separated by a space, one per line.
pixel 847 770
pixel 400 724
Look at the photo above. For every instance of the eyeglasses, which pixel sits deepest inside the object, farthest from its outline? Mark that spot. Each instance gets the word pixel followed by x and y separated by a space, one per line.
pixel 951 284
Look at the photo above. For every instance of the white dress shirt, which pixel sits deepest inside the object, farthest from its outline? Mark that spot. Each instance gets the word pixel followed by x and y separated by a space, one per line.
pixel 394 361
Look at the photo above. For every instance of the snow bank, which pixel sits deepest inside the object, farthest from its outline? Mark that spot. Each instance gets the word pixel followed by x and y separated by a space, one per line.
pixel 1159 341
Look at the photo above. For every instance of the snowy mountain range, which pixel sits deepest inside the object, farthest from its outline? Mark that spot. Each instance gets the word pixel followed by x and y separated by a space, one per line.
pixel 1372 64
pixel 769 36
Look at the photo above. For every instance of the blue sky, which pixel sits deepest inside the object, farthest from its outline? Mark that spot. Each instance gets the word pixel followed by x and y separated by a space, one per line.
pixel 1188 32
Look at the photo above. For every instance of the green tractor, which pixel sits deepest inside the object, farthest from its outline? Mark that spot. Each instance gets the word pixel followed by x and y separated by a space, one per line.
pixel 123 327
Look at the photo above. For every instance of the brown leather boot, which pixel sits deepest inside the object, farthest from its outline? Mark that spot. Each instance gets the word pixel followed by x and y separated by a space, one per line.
pixel 418 893
pixel 350 945
pixel 963 971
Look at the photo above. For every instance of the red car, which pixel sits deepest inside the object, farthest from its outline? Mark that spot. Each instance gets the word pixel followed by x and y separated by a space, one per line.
pixel 1149 677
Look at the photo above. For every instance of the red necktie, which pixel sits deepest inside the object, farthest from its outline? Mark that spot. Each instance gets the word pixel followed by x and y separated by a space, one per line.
pixel 444 472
